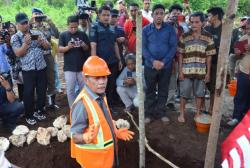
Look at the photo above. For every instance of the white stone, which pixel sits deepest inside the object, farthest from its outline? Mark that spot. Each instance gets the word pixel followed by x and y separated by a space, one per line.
pixel 60 121
pixel 66 130
pixel 61 137
pixel 17 140
pixel 20 130
pixel 4 144
pixel 53 131
pixel 121 123
pixel 31 137
pixel 43 136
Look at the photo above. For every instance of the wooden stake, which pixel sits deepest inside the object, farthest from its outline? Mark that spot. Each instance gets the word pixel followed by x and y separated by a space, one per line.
pixel 140 88
pixel 226 35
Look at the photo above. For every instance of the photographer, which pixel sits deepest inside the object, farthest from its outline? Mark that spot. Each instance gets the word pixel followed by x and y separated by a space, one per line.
pixel 75 46
pixel 10 109
pixel 29 46
pixel 48 28
pixel 14 62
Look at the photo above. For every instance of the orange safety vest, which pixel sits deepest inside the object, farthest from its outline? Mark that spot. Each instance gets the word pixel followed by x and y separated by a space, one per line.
pixel 99 154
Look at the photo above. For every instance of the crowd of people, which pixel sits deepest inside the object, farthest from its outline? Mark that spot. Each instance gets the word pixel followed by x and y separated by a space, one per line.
pixel 180 51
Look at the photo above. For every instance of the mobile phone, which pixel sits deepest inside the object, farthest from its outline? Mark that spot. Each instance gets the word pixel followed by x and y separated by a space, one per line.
pixel 40 18
pixel 34 37
pixel 129 74
pixel 93 4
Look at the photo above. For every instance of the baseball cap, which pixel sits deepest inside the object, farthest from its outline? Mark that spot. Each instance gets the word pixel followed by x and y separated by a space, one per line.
pixel 21 18
pixel 114 12
pixel 37 10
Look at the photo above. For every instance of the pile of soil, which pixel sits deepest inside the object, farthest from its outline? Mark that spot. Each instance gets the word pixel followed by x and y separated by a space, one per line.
pixel 181 144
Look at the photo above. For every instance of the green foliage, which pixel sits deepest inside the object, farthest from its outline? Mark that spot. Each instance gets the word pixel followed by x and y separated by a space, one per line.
pixel 59 10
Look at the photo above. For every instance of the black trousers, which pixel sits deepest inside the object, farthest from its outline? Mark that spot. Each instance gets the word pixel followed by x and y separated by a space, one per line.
pixel 34 80
pixel 242 97
pixel 111 86
pixel 20 91
pixel 156 96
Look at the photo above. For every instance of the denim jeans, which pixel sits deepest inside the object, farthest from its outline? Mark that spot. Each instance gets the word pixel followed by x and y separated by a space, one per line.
pixel 73 79
pixel 57 80
pixel 9 112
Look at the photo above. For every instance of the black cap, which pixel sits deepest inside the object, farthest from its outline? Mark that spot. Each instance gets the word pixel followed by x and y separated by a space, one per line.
pixel 114 12
pixel 21 17
pixel 83 16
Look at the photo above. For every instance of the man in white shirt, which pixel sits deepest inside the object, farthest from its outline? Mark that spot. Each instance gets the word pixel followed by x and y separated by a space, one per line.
pixel 145 11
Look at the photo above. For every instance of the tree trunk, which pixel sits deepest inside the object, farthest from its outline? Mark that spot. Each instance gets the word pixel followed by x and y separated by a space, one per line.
pixel 226 35
pixel 140 87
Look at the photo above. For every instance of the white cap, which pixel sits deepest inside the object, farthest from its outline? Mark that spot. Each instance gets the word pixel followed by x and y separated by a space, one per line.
pixel 120 1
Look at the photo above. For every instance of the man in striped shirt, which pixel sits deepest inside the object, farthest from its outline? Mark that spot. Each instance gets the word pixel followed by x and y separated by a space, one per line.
pixel 195 49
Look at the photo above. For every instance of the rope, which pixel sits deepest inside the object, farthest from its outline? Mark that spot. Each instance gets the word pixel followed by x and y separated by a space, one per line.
pixel 149 147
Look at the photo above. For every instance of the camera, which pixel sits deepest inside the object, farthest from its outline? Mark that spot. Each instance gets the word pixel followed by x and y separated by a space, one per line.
pixel 40 18
pixel 34 37
pixel 6 25
pixel 3 35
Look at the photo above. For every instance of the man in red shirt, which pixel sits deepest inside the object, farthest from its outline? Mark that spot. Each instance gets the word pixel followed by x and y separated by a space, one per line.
pixel 130 28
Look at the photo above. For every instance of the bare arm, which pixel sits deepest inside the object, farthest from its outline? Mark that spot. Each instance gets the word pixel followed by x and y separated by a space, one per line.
pixel 62 49
pixel 9 93
pixel 22 50
pixel 208 62
pixel 93 48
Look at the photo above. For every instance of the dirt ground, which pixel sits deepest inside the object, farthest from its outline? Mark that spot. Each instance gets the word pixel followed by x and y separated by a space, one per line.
pixel 181 144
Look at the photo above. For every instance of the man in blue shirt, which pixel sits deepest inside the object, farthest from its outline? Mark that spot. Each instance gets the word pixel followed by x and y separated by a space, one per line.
pixel 159 43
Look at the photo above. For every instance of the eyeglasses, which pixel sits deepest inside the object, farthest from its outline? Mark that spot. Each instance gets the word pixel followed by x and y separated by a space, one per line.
pixel 24 23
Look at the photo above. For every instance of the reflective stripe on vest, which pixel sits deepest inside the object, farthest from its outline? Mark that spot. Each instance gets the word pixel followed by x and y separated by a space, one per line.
pixel 100 140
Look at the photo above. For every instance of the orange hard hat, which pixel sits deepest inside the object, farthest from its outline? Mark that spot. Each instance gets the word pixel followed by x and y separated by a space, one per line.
pixel 95 66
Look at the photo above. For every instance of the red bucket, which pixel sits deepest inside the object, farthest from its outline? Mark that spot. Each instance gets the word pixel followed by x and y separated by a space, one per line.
pixel 232 89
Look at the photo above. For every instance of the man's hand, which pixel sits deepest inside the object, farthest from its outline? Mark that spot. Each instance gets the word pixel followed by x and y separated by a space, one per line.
pixel 120 65
pixel 237 51
pixel 120 40
pixel 84 46
pixel 90 135
pixel 70 45
pixel 124 134
pixel 207 78
pixel 27 39
pixel 40 40
pixel 131 81
pixel 4 83
pixel 181 76
pixel 158 65
pixel 247 47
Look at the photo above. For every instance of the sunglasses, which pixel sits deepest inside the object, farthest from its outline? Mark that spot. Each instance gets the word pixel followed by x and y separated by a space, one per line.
pixel 24 23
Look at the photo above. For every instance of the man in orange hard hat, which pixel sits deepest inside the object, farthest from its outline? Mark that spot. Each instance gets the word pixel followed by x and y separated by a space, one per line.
pixel 93 133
